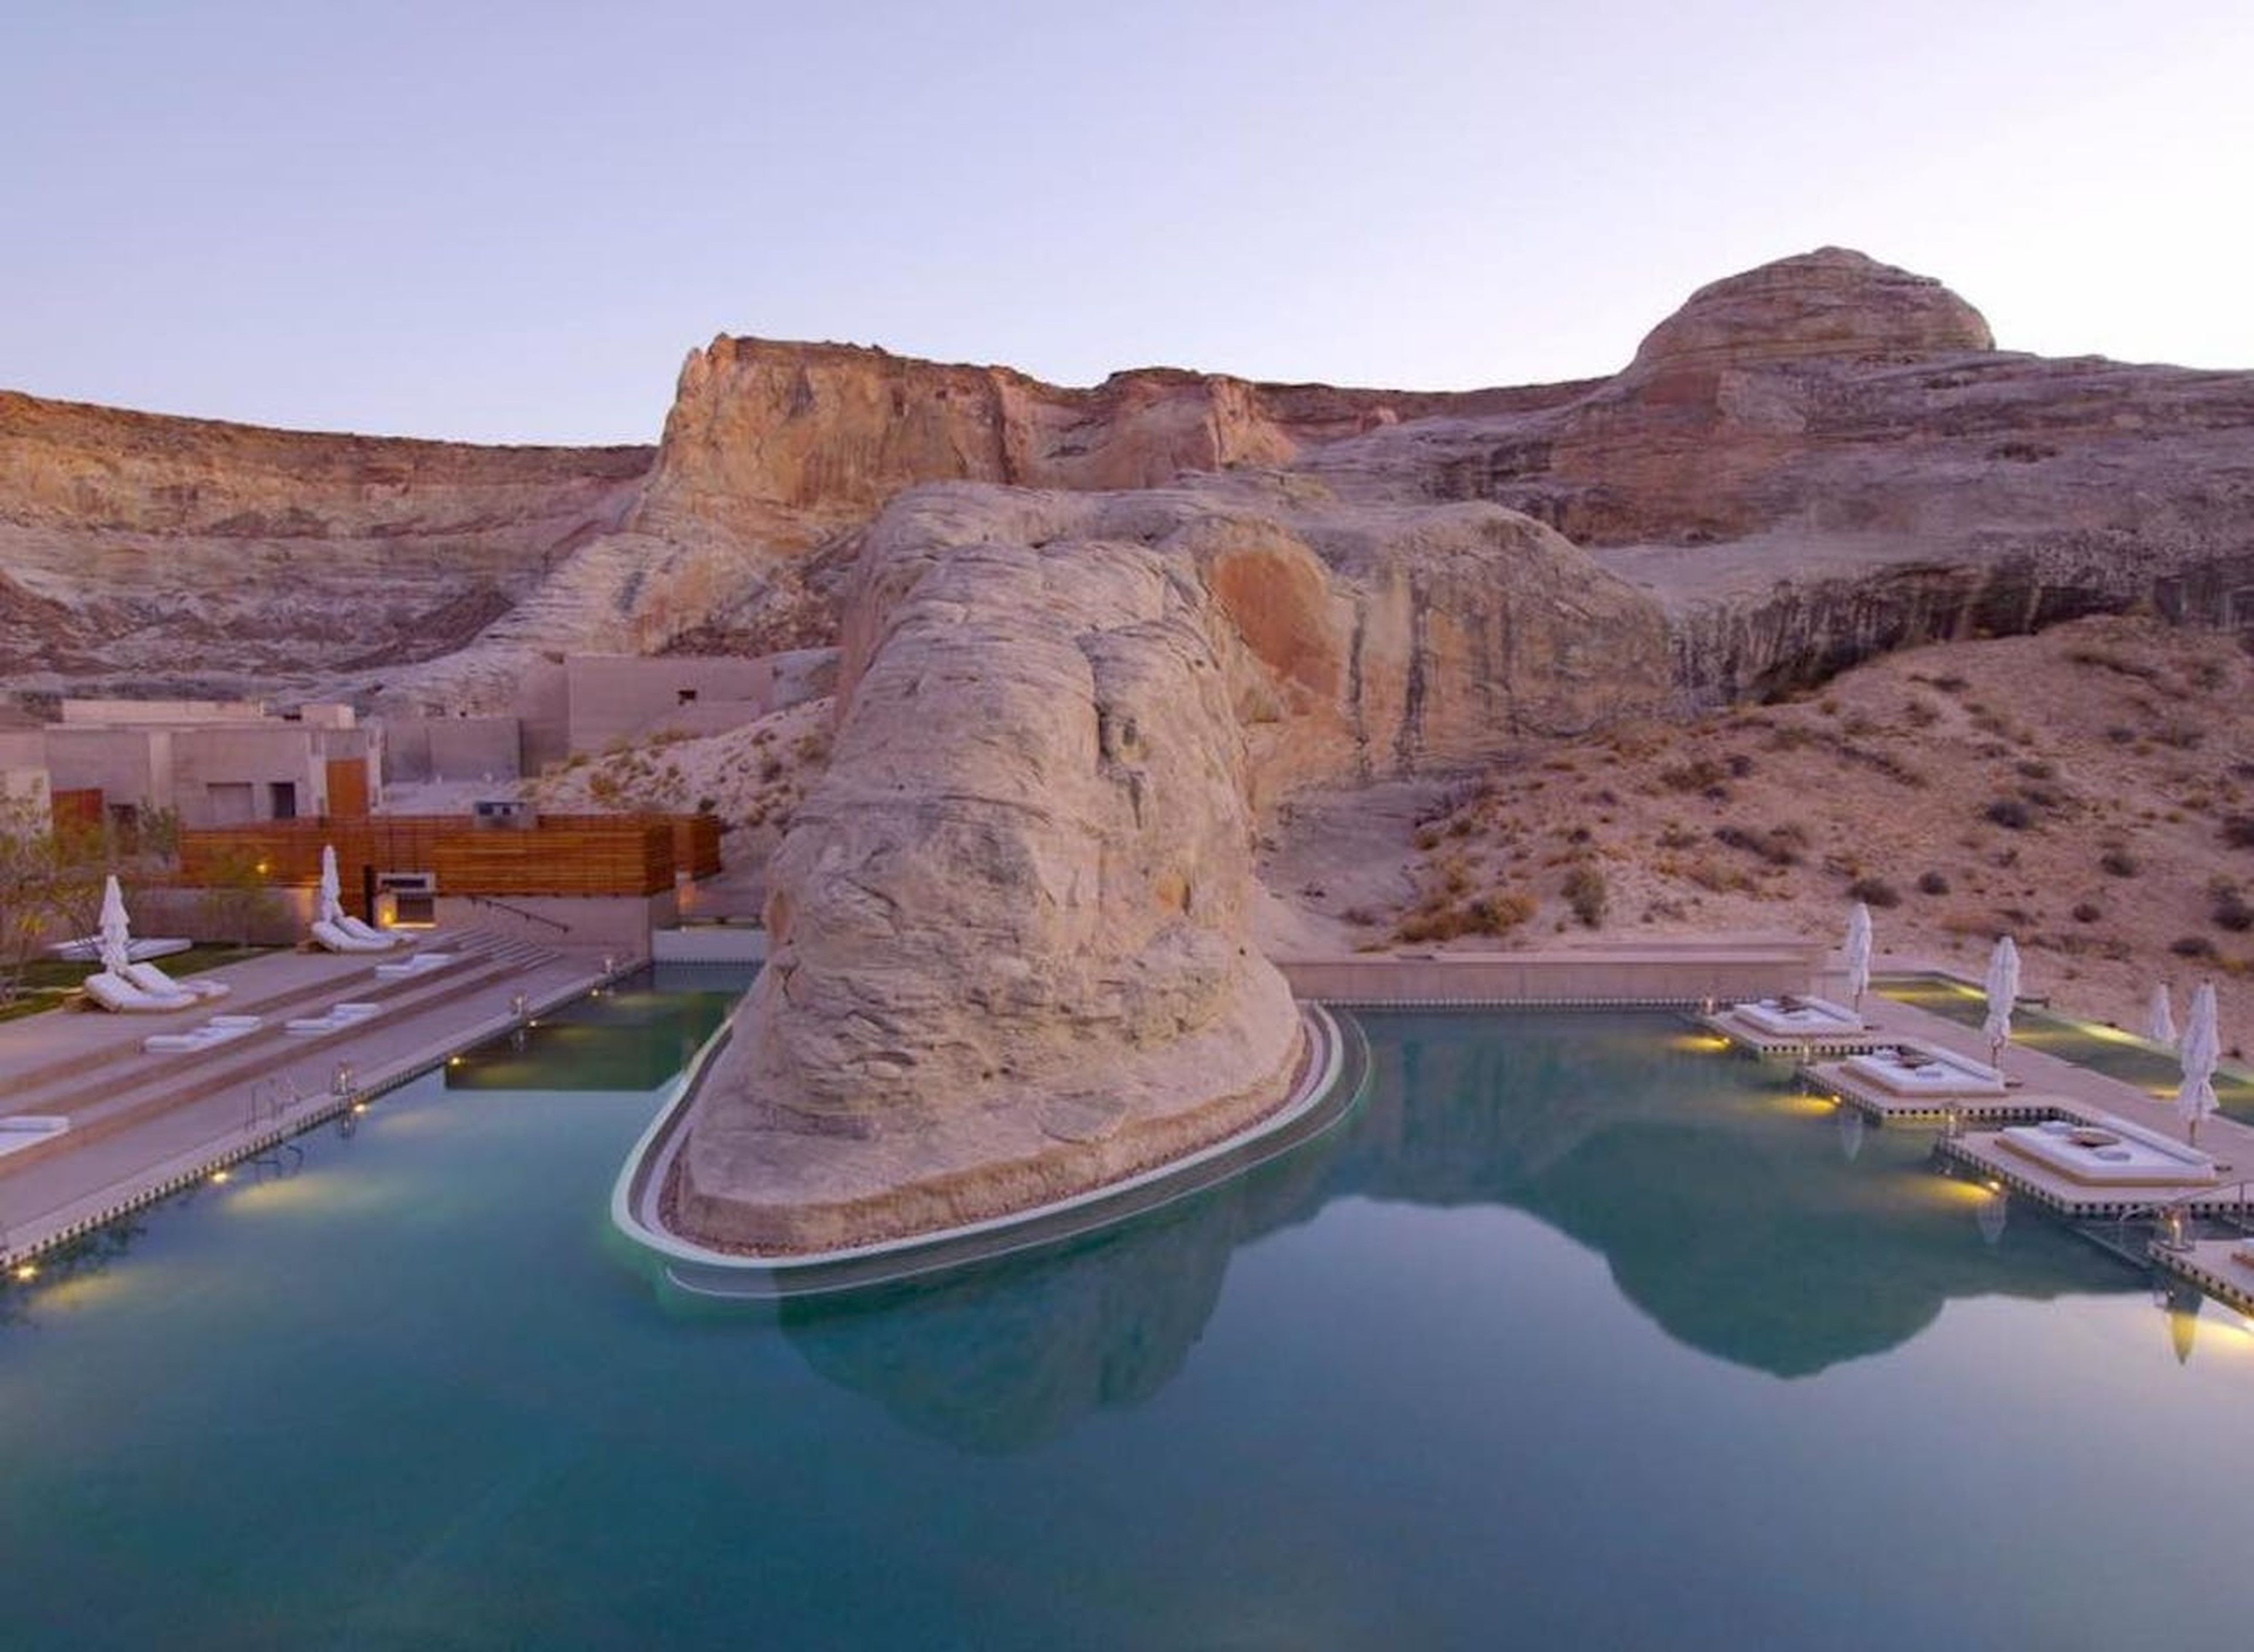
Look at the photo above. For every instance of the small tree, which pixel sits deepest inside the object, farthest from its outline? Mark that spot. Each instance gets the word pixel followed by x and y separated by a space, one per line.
pixel 236 895
pixel 27 887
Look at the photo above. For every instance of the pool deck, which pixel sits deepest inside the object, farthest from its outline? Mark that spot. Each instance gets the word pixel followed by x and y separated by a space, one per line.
pixel 144 1124
pixel 2215 1266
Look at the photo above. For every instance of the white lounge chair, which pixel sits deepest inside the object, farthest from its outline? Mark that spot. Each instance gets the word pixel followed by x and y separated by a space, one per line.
pixel 337 939
pixel 154 981
pixel 360 931
pixel 114 992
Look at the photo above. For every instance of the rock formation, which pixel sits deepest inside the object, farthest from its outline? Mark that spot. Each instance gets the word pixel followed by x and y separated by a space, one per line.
pixel 1826 457
pixel 1808 463
pixel 1009 928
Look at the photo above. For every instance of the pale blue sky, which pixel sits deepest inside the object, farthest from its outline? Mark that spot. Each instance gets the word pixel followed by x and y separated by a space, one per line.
pixel 508 221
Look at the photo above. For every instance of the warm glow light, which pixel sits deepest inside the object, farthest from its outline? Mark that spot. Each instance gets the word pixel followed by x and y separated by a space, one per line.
pixel 1705 1043
pixel 220 1176
pixel 1804 1106
pixel 26 1273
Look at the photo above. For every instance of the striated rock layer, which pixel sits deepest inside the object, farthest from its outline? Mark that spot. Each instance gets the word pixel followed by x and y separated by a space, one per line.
pixel 1827 457
pixel 132 544
pixel 1009 930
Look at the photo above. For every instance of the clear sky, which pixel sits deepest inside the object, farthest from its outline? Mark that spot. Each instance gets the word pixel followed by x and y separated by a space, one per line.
pixel 510 221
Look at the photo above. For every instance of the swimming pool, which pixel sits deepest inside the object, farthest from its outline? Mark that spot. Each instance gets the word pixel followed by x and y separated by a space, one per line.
pixel 1576 1333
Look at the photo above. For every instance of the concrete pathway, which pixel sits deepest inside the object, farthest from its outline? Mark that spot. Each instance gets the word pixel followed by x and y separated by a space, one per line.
pixel 144 1124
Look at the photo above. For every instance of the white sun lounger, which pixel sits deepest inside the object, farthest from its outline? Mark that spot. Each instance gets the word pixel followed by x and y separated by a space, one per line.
pixel 360 931
pixel 154 981
pixel 336 939
pixel 114 992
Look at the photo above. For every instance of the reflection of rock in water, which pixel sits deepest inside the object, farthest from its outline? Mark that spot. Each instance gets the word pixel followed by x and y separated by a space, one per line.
pixel 1734 1221
pixel 1731 1220
pixel 1004 1356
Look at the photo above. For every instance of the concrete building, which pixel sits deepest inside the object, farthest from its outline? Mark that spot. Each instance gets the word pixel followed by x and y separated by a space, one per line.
pixel 215 763
pixel 587 703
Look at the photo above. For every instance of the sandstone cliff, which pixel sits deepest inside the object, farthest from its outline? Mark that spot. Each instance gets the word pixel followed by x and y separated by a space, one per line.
pixel 133 545
pixel 1826 457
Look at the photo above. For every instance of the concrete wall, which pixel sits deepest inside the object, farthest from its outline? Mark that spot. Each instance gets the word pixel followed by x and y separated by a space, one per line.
pixel 202 770
pixel 543 710
pixel 451 748
pixel 621 923
pixel 616 697
pixel 122 713
pixel 1687 974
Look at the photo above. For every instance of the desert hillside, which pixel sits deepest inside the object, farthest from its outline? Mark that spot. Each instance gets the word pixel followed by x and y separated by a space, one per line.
pixel 2089 791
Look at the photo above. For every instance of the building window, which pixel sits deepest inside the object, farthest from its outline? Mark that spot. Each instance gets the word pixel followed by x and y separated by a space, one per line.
pixel 684 696
pixel 284 795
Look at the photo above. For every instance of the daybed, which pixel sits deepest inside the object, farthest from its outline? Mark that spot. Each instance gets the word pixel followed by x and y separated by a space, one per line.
pixel 1913 1069
pixel 1787 1016
pixel 2102 1151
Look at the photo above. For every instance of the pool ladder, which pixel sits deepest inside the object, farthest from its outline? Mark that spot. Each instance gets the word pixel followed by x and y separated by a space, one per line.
pixel 2172 1224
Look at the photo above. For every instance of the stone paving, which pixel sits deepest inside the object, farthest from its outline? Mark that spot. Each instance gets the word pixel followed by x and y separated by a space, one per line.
pixel 143 1124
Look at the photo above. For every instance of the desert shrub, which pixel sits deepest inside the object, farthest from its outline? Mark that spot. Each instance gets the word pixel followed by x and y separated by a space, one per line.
pixel 1949 684
pixel 1740 765
pixel 1874 892
pixel 2087 912
pixel 2011 813
pixel 2229 911
pixel 1585 892
pixel 2238 830
pixel 2035 768
pixel 2182 734
pixel 1921 714
pixel 1779 845
pixel 1426 837
pixel 1698 775
pixel 2117 863
pixel 2192 947
pixel 1932 883
pixel 1675 834
pixel 1496 914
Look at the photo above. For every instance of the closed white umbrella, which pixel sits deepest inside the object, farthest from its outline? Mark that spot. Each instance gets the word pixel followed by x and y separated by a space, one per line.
pixel 2003 988
pixel 116 933
pixel 1858 954
pixel 331 903
pixel 2203 1048
pixel 2160 1018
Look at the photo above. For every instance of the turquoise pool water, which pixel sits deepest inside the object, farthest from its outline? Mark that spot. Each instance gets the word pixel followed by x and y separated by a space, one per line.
pixel 1576 1334
pixel 2102 1049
